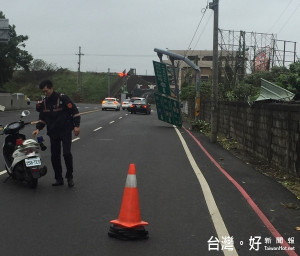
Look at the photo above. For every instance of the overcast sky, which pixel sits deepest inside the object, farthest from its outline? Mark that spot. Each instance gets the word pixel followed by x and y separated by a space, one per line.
pixel 121 35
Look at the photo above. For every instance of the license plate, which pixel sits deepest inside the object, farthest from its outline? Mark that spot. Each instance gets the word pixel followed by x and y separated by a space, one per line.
pixel 32 161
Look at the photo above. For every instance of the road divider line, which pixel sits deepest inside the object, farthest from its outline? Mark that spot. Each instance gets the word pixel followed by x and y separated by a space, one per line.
pixel 75 139
pixel 120 117
pixel 111 122
pixel 253 205
pixel 97 129
pixel 3 172
pixel 82 113
pixel 210 201
pixel 87 112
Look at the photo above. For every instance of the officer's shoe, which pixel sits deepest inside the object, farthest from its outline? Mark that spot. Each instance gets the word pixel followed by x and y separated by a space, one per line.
pixel 70 183
pixel 58 183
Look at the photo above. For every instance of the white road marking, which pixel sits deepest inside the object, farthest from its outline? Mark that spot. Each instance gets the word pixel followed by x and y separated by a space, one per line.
pixel 97 129
pixel 3 172
pixel 111 122
pixel 210 201
pixel 75 139
pixel 120 117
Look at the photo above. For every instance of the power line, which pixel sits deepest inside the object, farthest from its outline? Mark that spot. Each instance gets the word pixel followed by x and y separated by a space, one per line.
pixel 55 54
pixel 203 13
pixel 121 55
pixel 202 31
pixel 99 54
pixel 203 10
pixel 280 16
pixel 289 18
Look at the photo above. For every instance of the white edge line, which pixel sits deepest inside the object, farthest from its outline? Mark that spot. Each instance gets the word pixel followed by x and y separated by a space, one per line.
pixel 210 201
pixel 75 139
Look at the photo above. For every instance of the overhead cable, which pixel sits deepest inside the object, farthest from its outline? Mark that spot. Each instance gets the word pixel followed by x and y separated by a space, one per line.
pixel 280 16
pixel 289 18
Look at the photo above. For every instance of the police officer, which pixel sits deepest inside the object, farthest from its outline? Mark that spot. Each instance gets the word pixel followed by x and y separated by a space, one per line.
pixel 61 116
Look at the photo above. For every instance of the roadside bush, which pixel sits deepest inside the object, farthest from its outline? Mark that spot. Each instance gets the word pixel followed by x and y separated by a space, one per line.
pixel 201 126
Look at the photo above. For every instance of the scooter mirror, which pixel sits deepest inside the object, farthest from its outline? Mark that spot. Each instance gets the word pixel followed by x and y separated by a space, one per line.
pixel 25 113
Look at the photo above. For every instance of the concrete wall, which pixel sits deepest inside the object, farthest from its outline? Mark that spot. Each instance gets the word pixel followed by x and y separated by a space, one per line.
pixel 268 130
pixel 13 101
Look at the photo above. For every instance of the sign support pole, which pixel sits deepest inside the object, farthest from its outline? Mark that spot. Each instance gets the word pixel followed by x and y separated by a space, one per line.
pixel 214 107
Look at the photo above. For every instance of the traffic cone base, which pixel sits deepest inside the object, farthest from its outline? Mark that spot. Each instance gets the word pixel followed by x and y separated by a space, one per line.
pixel 128 224
pixel 128 233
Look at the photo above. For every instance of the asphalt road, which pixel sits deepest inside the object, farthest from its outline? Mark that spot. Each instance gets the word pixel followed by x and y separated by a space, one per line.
pixel 191 196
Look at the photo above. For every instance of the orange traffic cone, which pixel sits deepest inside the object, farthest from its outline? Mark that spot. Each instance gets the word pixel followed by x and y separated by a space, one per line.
pixel 129 225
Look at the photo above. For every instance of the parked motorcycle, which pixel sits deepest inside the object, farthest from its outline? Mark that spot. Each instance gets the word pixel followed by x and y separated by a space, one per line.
pixel 22 156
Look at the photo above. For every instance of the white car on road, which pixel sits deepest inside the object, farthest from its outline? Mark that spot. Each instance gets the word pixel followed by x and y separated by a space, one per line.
pixel 126 103
pixel 111 103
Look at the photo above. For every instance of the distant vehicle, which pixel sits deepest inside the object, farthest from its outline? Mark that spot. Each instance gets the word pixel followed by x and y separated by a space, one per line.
pixel 126 103
pixel 140 106
pixel 136 98
pixel 132 100
pixel 111 103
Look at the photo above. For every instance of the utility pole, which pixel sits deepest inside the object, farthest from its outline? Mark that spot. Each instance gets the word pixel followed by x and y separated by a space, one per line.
pixel 79 79
pixel 214 105
pixel 108 83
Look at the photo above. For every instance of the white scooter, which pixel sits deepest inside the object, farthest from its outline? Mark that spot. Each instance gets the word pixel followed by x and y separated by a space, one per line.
pixel 21 155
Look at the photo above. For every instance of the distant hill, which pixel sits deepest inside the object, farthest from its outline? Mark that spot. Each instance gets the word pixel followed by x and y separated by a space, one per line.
pixel 94 85
pixel 93 90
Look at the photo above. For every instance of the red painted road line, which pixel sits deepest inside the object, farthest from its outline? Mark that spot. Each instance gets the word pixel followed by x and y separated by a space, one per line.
pixel 256 209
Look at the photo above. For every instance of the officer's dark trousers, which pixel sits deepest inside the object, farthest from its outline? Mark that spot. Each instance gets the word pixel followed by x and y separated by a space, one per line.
pixel 64 139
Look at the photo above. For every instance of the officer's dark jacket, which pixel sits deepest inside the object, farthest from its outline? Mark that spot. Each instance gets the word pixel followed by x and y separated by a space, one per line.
pixel 59 113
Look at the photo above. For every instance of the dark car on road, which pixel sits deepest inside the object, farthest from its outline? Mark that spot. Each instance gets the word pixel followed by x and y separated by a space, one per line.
pixel 140 105
pixel 132 100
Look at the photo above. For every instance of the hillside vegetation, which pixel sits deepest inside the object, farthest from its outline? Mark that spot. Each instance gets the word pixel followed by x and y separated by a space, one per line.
pixel 94 85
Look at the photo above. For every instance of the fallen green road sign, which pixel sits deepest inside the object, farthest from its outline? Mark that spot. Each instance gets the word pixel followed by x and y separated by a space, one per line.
pixel 161 76
pixel 168 109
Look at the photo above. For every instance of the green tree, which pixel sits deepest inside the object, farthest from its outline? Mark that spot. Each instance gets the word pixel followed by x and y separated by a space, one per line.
pixel 12 55
pixel 290 79
pixel 41 65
